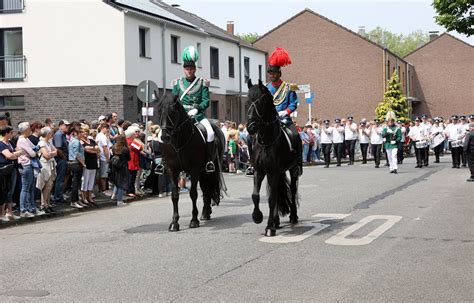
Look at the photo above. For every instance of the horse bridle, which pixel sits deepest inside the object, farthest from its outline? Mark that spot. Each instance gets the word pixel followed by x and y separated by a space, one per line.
pixel 261 122
pixel 172 130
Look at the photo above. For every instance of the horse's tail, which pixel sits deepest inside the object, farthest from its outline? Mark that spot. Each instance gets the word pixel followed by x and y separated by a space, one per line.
pixel 217 186
pixel 282 194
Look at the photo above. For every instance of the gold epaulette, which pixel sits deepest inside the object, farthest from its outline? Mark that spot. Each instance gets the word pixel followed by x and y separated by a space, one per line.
pixel 293 87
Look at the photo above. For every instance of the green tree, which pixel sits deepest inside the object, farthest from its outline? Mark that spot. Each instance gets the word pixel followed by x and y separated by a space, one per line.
pixel 455 15
pixel 399 44
pixel 250 37
pixel 393 101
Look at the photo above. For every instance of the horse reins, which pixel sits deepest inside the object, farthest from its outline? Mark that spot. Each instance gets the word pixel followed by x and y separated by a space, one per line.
pixel 264 123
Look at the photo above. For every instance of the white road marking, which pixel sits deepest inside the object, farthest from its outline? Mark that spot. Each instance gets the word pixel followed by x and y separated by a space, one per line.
pixel 331 216
pixel 284 236
pixel 341 238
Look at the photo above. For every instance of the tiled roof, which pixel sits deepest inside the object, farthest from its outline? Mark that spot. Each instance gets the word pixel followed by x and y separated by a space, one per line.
pixel 429 42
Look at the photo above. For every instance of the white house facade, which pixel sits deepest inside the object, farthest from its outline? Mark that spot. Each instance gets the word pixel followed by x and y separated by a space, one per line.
pixel 80 59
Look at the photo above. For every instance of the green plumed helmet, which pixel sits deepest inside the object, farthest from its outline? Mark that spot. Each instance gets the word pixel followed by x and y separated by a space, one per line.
pixel 190 54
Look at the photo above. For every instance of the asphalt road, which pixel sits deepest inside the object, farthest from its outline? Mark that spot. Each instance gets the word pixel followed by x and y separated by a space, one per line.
pixel 365 235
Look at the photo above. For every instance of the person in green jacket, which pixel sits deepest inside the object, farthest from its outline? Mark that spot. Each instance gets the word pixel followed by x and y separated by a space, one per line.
pixel 391 135
pixel 193 93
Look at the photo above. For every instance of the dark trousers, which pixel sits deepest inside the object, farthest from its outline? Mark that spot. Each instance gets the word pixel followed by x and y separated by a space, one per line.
pixel 350 147
pixel 470 157
pixel 456 155
pixel 426 155
pixel 326 147
pixel 437 151
pixel 61 169
pixel 419 154
pixel 363 148
pixel 339 148
pixel 376 152
pixel 463 158
pixel 76 172
pixel 400 152
pixel 131 184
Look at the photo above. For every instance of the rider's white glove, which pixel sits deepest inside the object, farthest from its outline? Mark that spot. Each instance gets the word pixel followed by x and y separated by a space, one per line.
pixel 193 112
pixel 282 113
pixel 389 131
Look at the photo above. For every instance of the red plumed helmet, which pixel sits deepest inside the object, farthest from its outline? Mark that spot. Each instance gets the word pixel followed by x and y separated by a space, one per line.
pixel 279 57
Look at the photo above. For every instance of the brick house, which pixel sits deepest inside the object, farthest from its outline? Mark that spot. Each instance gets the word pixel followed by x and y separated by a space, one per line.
pixel 444 77
pixel 80 59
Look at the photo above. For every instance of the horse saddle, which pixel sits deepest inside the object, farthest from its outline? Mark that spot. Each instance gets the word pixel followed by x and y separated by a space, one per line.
pixel 291 137
pixel 202 131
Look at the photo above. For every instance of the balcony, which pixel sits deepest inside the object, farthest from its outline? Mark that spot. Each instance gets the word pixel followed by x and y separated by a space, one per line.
pixel 12 68
pixel 11 6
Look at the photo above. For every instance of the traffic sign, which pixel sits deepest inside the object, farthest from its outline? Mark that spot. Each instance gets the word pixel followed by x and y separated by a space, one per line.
pixel 309 97
pixel 146 91
pixel 303 88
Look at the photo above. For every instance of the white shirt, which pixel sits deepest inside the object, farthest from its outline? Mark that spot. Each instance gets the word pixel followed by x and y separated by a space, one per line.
pixel 376 135
pixel 350 131
pixel 102 141
pixel 436 129
pixel 417 133
pixel 326 135
pixel 426 128
pixel 364 135
pixel 453 132
pixel 338 134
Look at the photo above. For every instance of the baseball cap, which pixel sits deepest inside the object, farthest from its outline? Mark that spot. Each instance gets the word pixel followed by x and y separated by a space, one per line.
pixel 64 122
pixel 101 117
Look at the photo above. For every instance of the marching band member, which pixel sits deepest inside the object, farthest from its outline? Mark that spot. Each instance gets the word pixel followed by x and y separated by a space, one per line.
pixel 350 138
pixel 427 131
pixel 417 134
pixel 465 128
pixel 437 137
pixel 364 139
pixel 392 135
pixel 326 142
pixel 338 139
pixel 376 141
pixel 193 93
pixel 400 144
pixel 454 132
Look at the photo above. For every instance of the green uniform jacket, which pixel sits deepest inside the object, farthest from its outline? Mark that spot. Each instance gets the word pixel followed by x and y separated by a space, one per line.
pixel 197 97
pixel 392 139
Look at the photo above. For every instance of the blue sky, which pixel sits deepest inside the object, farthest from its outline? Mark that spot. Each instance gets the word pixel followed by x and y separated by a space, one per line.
pixel 402 16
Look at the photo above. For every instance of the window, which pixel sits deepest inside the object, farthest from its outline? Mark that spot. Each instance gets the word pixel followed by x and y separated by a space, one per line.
pixel 12 61
pixel 11 6
pixel 260 72
pixel 199 62
pixel 246 69
pixel 12 102
pixel 231 67
pixel 174 49
pixel 214 63
pixel 144 42
pixel 214 109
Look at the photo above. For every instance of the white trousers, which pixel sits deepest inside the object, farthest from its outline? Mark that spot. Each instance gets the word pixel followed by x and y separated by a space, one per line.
pixel 392 158
pixel 210 131
pixel 88 181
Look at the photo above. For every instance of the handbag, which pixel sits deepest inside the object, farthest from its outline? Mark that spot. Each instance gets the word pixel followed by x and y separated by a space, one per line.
pixel 6 170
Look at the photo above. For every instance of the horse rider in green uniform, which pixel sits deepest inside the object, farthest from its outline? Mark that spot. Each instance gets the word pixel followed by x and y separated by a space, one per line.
pixel 193 93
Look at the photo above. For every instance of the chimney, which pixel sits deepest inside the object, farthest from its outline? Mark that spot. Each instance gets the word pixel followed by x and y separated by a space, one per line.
pixel 433 35
pixel 361 31
pixel 230 27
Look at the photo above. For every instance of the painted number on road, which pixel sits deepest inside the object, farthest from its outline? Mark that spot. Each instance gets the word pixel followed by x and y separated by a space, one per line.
pixel 342 237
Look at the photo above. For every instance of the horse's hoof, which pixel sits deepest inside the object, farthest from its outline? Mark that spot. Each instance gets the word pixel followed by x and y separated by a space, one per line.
pixel 205 217
pixel 294 220
pixel 270 232
pixel 257 217
pixel 174 227
pixel 194 224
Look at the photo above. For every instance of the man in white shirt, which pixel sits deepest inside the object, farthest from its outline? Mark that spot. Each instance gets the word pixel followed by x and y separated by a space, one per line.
pixel 364 139
pixel 465 128
pixel 426 124
pixel 376 141
pixel 350 138
pixel 437 138
pixel 338 139
pixel 417 134
pixel 104 144
pixel 454 134
pixel 403 129
pixel 326 142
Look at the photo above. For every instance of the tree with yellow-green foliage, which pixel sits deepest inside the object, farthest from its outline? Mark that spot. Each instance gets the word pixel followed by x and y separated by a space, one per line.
pixel 394 102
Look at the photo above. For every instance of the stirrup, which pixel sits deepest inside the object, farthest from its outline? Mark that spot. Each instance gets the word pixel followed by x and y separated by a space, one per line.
pixel 250 171
pixel 160 170
pixel 210 167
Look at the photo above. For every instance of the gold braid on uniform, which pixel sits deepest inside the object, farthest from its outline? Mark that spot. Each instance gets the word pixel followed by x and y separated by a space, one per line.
pixel 193 90
pixel 282 96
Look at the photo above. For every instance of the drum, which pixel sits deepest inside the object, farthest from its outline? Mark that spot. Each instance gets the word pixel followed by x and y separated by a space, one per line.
pixel 421 144
pixel 456 143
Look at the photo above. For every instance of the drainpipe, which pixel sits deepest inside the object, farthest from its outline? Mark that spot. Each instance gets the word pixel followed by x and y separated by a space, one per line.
pixel 163 57
pixel 240 81
pixel 384 69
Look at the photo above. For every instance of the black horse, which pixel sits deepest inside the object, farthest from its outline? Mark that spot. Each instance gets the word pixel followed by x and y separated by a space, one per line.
pixel 273 154
pixel 184 149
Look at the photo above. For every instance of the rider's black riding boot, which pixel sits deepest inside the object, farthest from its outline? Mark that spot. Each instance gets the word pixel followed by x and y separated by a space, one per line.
pixel 211 150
